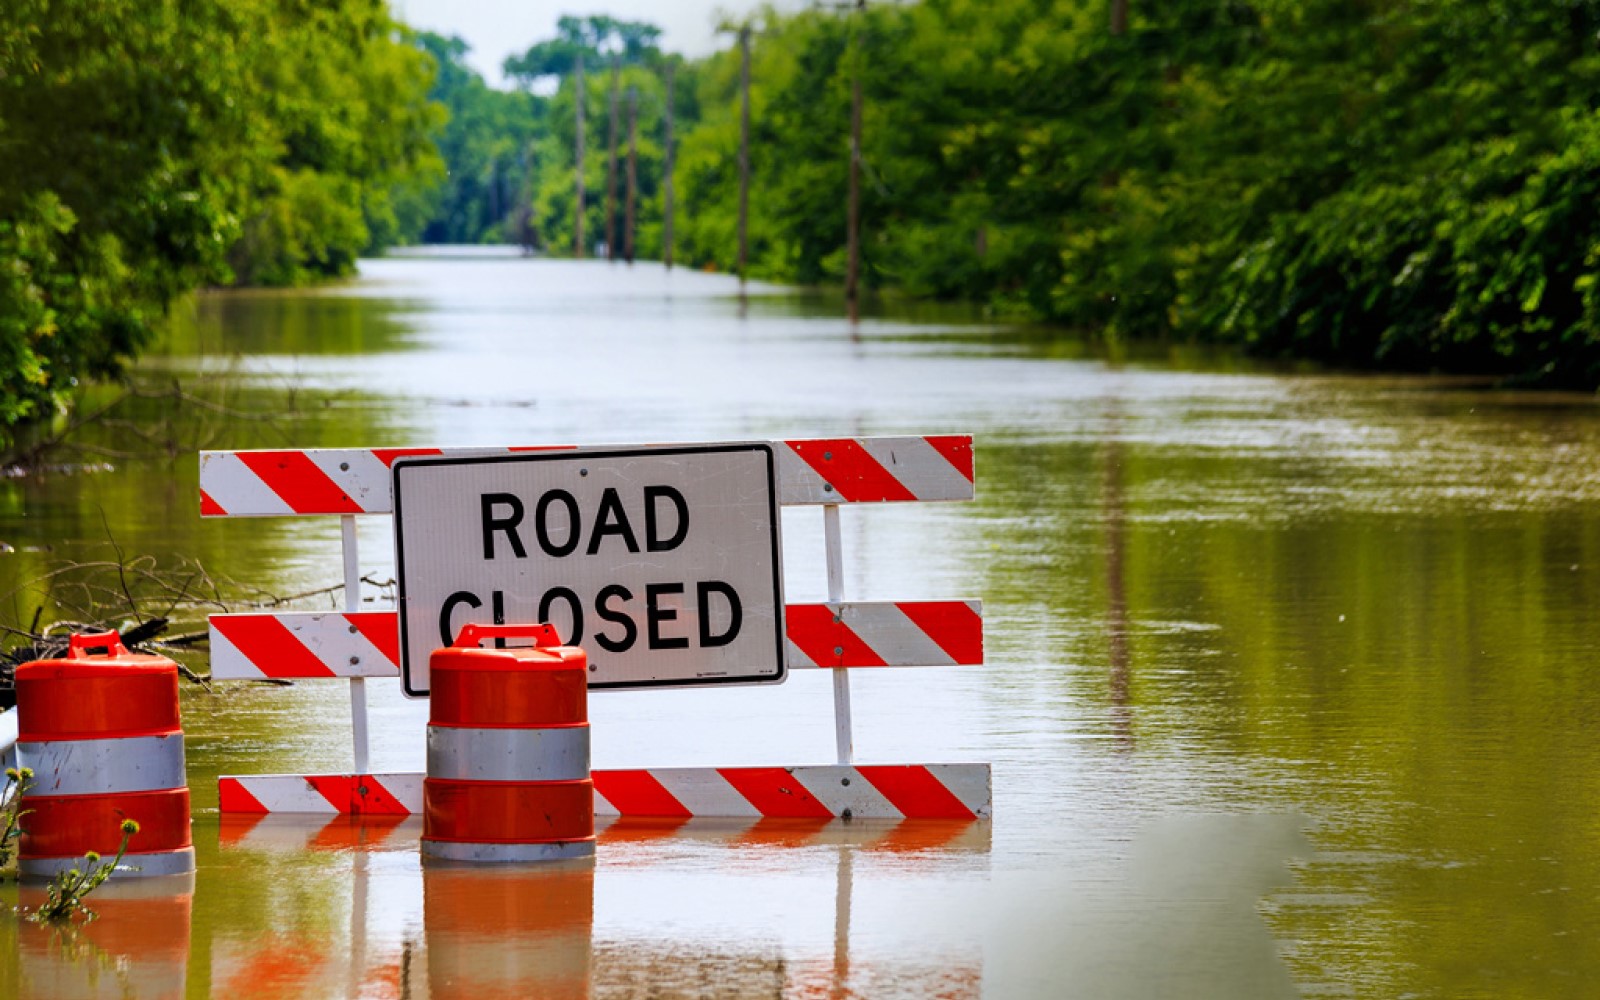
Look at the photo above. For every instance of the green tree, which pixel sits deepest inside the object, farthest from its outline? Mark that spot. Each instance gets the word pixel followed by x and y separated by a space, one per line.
pixel 126 161
pixel 487 147
pixel 343 92
pixel 147 148
pixel 551 186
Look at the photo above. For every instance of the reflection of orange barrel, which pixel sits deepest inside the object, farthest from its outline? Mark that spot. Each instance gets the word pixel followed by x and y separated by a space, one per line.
pixel 508 750
pixel 508 932
pixel 139 944
pixel 101 734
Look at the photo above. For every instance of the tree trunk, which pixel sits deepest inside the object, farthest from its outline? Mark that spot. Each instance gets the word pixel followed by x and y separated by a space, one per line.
pixel 666 168
pixel 1119 17
pixel 852 274
pixel 633 174
pixel 577 156
pixel 611 169
pixel 744 148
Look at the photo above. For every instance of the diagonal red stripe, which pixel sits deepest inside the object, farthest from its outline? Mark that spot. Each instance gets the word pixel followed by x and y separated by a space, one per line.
pixel 954 626
pixel 912 789
pixel 297 480
pixel 827 641
pixel 382 629
pixel 357 794
pixel 232 797
pixel 209 507
pixel 388 455
pixel 269 645
pixel 957 450
pixel 854 474
pixel 638 793
pixel 774 792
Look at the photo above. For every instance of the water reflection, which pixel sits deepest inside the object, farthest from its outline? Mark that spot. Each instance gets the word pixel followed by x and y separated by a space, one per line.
pixel 136 948
pixel 520 931
pixel 1209 589
pixel 1115 515
pixel 669 908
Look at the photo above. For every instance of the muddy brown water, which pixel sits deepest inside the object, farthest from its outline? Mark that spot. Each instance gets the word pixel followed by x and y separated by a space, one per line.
pixel 1290 681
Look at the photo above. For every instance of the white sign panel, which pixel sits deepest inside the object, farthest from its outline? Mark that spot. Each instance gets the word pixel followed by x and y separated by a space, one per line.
pixel 662 562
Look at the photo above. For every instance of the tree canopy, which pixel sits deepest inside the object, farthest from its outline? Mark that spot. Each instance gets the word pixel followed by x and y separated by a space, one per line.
pixel 1405 184
pixel 151 146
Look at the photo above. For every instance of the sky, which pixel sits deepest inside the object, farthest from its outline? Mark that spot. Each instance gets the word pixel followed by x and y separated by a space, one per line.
pixel 497 28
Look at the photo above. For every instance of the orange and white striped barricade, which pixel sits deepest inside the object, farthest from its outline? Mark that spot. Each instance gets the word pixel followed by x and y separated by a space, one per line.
pixel 140 939
pixel 839 635
pixel 103 737
pixel 508 750
pixel 508 932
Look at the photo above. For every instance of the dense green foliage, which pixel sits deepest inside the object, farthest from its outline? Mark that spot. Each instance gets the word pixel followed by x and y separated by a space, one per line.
pixel 486 142
pixel 620 58
pixel 151 146
pixel 1401 183
pixel 1406 183
pixel 510 155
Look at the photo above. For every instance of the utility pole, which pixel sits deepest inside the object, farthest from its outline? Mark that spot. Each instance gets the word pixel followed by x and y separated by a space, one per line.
pixel 666 228
pixel 579 96
pixel 611 169
pixel 1119 17
pixel 744 148
pixel 633 173
pixel 852 274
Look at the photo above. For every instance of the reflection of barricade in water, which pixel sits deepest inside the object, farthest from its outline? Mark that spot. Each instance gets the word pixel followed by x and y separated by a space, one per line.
pixel 508 931
pixel 137 948
pixel 475 916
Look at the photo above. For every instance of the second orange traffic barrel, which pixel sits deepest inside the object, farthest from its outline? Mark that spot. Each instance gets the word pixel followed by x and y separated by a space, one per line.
pixel 508 750
pixel 102 736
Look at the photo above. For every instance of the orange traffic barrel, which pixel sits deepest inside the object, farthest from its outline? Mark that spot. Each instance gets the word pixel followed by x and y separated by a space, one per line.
pixel 508 750
pixel 102 736
pixel 509 932
pixel 139 944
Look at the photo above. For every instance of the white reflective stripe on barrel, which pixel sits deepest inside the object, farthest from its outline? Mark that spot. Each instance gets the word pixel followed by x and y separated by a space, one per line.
pixel 96 767
pixel 466 754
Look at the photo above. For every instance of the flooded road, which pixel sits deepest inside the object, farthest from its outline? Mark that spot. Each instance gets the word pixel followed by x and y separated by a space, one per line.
pixel 1288 687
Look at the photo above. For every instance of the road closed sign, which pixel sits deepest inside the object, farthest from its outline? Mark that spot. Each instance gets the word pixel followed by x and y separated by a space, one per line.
pixel 662 562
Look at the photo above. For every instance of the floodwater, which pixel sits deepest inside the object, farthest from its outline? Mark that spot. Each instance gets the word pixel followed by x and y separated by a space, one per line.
pixel 1289 687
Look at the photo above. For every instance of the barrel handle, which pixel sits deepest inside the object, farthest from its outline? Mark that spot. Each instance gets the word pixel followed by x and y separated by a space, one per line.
pixel 78 646
pixel 543 635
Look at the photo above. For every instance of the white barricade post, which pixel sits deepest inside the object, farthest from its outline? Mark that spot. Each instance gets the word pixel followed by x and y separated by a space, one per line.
pixel 837 635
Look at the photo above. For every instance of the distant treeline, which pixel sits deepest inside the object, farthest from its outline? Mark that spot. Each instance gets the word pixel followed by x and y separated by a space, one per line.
pixel 1409 184
pixel 1374 183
